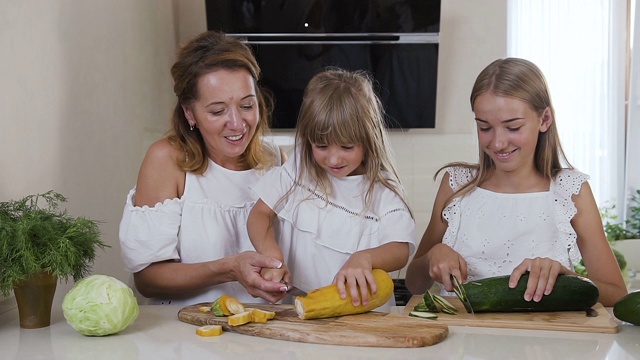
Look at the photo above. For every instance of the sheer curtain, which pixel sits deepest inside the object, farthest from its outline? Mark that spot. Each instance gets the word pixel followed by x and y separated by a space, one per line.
pixel 580 46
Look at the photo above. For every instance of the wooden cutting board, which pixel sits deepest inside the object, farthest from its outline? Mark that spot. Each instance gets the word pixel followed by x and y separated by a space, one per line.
pixel 369 329
pixel 577 321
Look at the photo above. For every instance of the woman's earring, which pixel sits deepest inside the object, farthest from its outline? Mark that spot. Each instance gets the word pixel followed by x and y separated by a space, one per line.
pixel 190 127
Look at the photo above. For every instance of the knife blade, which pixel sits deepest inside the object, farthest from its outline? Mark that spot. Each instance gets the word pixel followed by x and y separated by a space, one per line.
pixel 294 291
pixel 461 293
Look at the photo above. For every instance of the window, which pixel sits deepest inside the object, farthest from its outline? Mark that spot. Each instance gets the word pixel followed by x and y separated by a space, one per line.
pixel 581 48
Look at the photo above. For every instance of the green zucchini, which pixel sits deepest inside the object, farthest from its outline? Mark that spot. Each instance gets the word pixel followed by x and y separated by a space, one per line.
pixel 628 308
pixel 570 293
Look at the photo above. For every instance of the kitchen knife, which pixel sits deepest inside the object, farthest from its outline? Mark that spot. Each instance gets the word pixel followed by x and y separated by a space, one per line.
pixel 292 290
pixel 295 291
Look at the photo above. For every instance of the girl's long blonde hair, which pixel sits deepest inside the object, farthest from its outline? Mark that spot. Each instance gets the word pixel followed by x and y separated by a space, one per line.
pixel 341 107
pixel 208 52
pixel 522 80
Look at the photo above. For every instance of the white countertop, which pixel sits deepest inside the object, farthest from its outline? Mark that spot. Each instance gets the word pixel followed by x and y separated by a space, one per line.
pixel 158 334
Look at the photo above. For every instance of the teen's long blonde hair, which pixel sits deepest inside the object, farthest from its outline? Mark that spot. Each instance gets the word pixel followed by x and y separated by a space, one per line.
pixel 522 80
pixel 341 107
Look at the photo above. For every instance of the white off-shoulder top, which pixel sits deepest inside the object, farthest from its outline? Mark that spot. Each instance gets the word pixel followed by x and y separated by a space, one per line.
pixel 208 222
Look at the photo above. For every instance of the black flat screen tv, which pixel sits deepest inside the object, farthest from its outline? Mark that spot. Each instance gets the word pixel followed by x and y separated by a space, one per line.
pixel 395 41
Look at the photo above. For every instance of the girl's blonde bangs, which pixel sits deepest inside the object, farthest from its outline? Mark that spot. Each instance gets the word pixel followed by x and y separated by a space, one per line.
pixel 334 123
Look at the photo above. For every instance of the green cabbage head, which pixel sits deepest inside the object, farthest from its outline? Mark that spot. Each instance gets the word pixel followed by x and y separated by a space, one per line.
pixel 100 305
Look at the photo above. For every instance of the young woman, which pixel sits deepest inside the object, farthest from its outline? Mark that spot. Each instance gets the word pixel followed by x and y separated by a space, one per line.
pixel 522 208
pixel 339 202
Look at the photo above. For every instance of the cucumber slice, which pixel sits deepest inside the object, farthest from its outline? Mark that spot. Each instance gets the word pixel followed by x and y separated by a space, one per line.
pixel 423 314
pixel 447 307
pixel 429 303
pixel 449 311
pixel 420 306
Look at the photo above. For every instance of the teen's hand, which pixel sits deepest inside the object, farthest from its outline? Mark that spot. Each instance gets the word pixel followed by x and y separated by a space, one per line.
pixel 543 273
pixel 443 262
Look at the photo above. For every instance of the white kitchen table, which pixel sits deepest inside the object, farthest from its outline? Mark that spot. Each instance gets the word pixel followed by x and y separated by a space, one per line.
pixel 158 334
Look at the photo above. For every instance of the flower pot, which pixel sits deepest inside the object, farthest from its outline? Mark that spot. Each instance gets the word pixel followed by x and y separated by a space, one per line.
pixel 35 298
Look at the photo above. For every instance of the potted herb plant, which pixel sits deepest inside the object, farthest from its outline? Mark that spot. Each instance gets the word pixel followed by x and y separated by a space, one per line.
pixel 622 230
pixel 623 236
pixel 39 244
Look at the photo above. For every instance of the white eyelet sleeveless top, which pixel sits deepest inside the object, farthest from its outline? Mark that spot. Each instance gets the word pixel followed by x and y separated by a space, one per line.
pixel 495 232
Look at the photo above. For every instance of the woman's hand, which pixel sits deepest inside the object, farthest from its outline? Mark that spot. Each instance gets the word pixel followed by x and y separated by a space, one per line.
pixel 356 277
pixel 543 273
pixel 443 262
pixel 248 268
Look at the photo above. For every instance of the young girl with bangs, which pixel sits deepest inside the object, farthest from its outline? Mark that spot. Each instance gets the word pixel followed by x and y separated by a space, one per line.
pixel 340 206
pixel 523 208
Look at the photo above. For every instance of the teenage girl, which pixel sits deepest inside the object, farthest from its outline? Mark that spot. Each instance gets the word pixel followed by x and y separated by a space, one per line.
pixel 522 208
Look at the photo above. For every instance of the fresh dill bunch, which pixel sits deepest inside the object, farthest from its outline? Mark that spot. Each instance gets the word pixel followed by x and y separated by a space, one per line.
pixel 36 235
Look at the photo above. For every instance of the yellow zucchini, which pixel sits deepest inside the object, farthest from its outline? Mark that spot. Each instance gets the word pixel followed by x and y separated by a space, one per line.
pixel 262 314
pixel 209 330
pixel 326 302
pixel 239 319
pixel 227 305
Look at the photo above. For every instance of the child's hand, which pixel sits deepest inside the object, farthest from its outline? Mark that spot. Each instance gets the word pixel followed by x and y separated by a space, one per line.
pixel 280 275
pixel 543 273
pixel 356 277
pixel 444 262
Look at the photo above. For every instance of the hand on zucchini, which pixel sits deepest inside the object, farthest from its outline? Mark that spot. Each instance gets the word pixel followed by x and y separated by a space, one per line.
pixel 494 294
pixel 327 302
pixel 543 273
pixel 356 280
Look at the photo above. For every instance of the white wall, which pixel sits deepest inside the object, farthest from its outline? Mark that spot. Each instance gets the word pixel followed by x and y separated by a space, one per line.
pixel 81 81
pixel 86 87
pixel 632 178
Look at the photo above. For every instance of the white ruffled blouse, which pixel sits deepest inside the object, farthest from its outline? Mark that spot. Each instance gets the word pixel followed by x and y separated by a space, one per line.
pixel 317 238
pixel 495 232
pixel 208 222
